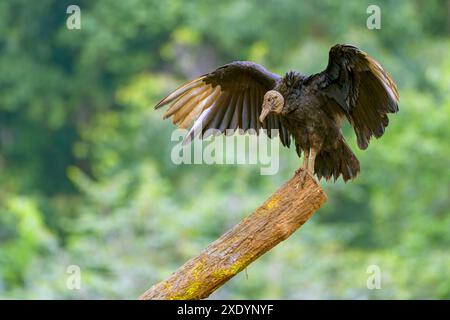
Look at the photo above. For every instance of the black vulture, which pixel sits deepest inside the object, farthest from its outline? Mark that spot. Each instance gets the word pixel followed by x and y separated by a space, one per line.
pixel 244 95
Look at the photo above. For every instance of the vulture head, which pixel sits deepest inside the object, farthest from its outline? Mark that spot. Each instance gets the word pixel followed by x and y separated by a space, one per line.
pixel 273 102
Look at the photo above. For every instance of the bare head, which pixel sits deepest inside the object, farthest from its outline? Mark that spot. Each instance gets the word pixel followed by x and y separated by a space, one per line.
pixel 273 102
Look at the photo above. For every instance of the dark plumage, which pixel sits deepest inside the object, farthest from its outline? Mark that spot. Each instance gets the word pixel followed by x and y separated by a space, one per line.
pixel 310 108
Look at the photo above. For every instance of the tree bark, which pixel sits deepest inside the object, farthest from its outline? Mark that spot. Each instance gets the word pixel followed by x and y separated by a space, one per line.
pixel 274 221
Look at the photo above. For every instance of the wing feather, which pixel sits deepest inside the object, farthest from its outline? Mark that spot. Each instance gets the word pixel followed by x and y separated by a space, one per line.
pixel 228 98
pixel 180 90
pixel 363 90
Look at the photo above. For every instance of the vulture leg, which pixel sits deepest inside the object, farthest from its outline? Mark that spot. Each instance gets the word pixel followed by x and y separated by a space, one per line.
pixel 312 160
pixel 304 168
pixel 305 160
pixel 307 166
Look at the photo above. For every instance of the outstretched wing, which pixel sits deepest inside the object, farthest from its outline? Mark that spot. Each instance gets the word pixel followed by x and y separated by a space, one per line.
pixel 228 98
pixel 362 89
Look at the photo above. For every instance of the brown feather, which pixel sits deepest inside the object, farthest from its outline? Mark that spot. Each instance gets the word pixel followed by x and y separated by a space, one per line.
pixel 180 90
pixel 187 107
pixel 198 108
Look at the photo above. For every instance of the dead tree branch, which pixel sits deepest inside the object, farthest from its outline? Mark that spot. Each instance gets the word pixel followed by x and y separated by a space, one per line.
pixel 274 221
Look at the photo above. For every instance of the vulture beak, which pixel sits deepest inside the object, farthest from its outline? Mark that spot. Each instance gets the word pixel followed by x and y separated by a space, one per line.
pixel 265 111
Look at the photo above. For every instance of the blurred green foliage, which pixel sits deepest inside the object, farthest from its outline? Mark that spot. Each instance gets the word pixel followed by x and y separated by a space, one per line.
pixel 85 170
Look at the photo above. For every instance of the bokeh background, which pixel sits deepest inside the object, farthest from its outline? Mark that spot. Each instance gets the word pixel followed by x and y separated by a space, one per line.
pixel 85 171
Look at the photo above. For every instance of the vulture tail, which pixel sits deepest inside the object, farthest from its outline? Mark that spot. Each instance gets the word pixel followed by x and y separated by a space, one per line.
pixel 341 161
